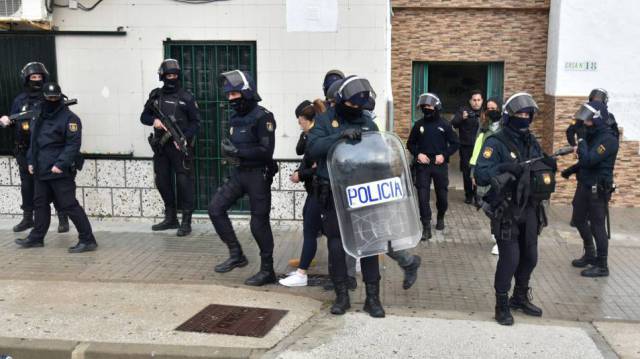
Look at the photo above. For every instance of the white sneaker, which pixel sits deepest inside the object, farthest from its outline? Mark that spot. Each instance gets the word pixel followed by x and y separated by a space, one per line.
pixel 292 273
pixel 494 250
pixel 295 280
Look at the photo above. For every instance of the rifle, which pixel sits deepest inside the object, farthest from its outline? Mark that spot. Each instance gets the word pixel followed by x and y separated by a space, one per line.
pixel 35 113
pixel 499 185
pixel 173 130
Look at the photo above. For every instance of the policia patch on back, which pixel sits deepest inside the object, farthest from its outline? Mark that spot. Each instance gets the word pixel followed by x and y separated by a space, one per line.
pixel 73 127
pixel 488 151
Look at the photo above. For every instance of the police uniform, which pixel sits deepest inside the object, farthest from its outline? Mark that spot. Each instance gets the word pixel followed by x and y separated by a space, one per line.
pixel 55 141
pixel 597 153
pixel 29 100
pixel 432 137
pixel 468 130
pixel 522 219
pixel 251 145
pixel 167 159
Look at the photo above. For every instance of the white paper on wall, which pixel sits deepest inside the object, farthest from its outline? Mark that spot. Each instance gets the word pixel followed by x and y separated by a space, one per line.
pixel 312 15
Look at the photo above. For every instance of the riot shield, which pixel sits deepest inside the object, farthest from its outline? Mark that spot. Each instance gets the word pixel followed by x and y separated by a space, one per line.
pixel 375 200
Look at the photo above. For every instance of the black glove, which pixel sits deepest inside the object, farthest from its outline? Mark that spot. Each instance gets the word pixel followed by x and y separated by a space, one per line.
pixel 551 162
pixel 354 134
pixel 513 168
pixel 228 148
pixel 581 132
pixel 566 173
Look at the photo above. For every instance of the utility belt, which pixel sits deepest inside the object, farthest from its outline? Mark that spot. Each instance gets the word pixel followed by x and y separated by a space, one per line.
pixel 601 190
pixel 268 170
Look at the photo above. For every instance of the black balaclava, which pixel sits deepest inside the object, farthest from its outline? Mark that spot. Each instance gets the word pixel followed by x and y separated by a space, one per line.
pixel 170 86
pixel 348 113
pixel 242 106
pixel 494 115
pixel 51 106
pixel 520 124
pixel 34 87
pixel 429 114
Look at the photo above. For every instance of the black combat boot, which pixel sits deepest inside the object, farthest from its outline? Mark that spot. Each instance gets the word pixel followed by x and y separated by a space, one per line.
pixel 341 303
pixel 372 303
pixel 411 272
pixel 503 313
pixel 29 243
pixel 63 223
pixel 170 221
pixel 266 275
pixel 440 222
pixel 521 299
pixel 236 259
pixel 599 270
pixel 185 226
pixel 588 258
pixel 426 232
pixel 25 223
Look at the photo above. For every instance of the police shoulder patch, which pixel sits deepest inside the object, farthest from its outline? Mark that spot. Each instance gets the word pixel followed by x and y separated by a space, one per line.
pixel 25 125
pixel 421 129
pixel 513 155
pixel 269 125
pixel 601 149
pixel 73 127
pixel 335 123
pixel 573 122
pixel 487 153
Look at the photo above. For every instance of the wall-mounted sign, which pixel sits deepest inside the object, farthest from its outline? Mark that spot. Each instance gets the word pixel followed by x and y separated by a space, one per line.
pixel 581 66
pixel 312 15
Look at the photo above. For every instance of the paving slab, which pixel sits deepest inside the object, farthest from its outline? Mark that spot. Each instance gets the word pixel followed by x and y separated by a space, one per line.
pixel 356 335
pixel 623 337
pixel 136 313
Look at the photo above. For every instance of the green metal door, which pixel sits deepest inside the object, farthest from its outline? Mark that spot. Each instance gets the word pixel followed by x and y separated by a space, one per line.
pixel 419 85
pixel 18 50
pixel 202 63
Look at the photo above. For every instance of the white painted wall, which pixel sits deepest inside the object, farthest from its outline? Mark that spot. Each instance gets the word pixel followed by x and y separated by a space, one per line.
pixel 604 31
pixel 112 76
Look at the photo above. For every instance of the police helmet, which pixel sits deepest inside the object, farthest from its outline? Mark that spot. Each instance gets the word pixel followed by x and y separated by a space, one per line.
pixel 240 81
pixel 520 102
pixel 52 91
pixel 599 94
pixel 34 68
pixel 168 66
pixel 330 78
pixel 430 99
pixel 358 91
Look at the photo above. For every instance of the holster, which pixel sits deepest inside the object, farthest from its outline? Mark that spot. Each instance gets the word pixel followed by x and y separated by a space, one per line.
pixel 322 191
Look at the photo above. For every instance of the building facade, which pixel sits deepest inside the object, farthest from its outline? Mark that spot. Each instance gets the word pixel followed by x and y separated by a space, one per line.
pixel 557 50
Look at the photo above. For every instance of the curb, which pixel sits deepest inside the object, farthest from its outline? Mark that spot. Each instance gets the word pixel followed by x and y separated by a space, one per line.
pixel 23 348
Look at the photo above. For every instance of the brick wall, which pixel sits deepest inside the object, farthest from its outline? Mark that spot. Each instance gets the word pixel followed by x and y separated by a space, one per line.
pixel 627 170
pixel 518 4
pixel 518 37
pixel 125 189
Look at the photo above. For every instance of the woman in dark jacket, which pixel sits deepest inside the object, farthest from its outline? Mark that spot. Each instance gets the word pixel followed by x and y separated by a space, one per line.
pixel 312 221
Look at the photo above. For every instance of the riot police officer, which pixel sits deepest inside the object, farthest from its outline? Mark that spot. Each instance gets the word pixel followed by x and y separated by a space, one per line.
pixel 518 190
pixel 250 146
pixel 345 120
pixel 467 122
pixel 431 142
pixel 331 77
pixel 53 158
pixel 34 75
pixel 176 104
pixel 597 151
pixel 598 95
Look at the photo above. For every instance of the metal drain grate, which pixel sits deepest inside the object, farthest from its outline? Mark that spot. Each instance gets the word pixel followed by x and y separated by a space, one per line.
pixel 232 320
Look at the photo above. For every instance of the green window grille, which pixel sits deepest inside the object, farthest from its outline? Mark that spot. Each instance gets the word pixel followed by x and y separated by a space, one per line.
pixel 202 63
